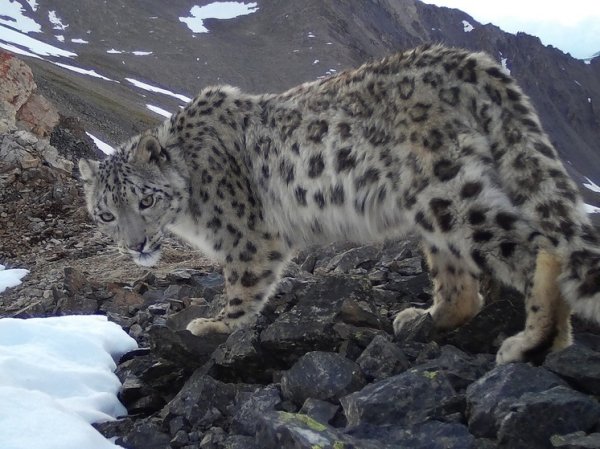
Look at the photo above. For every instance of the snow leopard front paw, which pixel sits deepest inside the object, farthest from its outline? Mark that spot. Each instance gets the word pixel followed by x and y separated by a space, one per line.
pixel 406 317
pixel 513 349
pixel 203 326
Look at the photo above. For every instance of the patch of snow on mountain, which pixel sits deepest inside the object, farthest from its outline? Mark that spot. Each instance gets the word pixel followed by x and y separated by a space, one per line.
pixel 33 45
pixel 55 20
pixel 58 378
pixel 18 51
pixel 467 27
pixel 591 185
pixel 591 209
pixel 60 38
pixel 112 51
pixel 216 10
pixel 11 278
pixel 12 14
pixel 79 41
pixel 83 71
pixel 504 62
pixel 102 146
pixel 589 100
pixel 159 111
pixel 141 53
pixel 159 90
pixel 316 61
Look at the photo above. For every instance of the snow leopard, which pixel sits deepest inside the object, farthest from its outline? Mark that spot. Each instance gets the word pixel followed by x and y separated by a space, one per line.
pixel 437 142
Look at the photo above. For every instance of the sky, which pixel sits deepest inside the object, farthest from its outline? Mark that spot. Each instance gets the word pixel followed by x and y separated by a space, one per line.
pixel 572 26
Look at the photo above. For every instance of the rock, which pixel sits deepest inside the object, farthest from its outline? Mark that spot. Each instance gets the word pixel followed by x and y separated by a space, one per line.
pixel 461 368
pixel 361 257
pixel 253 405
pixel 382 359
pixel 147 383
pixel 576 440
pixel 182 347
pixel 536 417
pixel 241 357
pixel 411 266
pixel 427 435
pixel 277 430
pixel 489 398
pixel 419 328
pixel 404 400
pixel 240 442
pixel 7 117
pixel 319 410
pixel 51 156
pixel 214 438
pixel 146 434
pixel 72 142
pixel 17 81
pixel 38 115
pixel 321 375
pixel 202 402
pixel 578 365
pixel 308 325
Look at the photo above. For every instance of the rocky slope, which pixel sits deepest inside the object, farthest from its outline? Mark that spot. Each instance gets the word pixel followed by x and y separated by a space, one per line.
pixel 319 369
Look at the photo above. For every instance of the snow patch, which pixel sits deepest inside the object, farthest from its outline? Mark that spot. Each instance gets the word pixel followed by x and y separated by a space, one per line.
pixel 467 27
pixel 112 51
pixel 591 209
pixel 589 100
pixel 159 111
pixel 55 20
pixel 141 53
pixel 310 34
pixel 159 90
pixel 79 41
pixel 82 71
pixel 40 48
pixel 60 38
pixel 12 14
pixel 316 61
pixel 103 146
pixel 591 185
pixel 58 377
pixel 18 51
pixel 11 278
pixel 216 10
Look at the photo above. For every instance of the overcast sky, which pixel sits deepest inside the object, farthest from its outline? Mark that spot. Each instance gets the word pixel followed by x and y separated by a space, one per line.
pixel 572 25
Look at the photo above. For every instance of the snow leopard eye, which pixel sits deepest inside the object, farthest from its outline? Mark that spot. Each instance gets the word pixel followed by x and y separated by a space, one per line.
pixel 107 217
pixel 147 202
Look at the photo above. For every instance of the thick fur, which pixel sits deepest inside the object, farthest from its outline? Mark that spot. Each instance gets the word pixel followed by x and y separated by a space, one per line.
pixel 435 141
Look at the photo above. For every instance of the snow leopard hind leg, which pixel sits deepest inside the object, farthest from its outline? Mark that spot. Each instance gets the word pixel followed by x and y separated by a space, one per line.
pixel 456 297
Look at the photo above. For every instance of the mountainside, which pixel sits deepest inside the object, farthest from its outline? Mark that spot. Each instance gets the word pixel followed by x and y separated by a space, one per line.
pixel 274 45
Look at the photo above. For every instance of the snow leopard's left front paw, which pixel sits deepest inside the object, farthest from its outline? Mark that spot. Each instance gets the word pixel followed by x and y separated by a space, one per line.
pixel 203 326
pixel 513 349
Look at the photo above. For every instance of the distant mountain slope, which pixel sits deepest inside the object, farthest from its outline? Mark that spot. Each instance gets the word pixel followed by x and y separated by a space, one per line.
pixel 280 43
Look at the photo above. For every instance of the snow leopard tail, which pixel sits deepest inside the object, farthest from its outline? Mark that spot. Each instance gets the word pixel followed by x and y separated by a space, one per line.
pixel 580 277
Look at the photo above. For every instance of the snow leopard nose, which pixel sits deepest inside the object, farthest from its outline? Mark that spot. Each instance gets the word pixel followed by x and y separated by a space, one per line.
pixel 139 247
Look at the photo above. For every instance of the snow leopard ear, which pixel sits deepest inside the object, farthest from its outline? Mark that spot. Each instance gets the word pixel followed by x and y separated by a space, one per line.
pixel 149 150
pixel 88 169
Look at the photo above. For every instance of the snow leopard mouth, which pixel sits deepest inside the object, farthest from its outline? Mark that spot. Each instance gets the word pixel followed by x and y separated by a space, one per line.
pixel 147 258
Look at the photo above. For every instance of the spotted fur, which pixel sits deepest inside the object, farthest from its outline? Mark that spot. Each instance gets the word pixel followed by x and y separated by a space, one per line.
pixel 436 141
